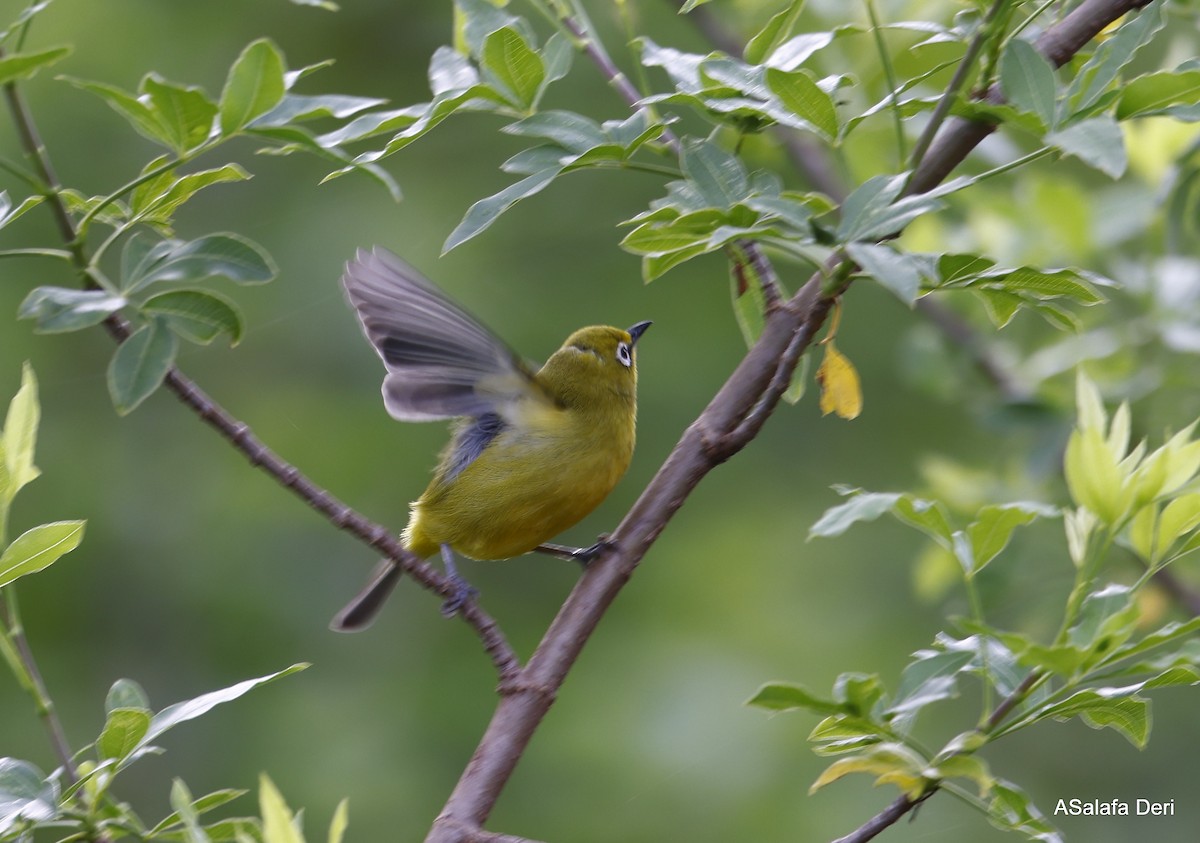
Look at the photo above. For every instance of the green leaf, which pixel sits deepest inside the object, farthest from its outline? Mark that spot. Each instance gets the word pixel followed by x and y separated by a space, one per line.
pixel 126 693
pixel 185 113
pixel 205 803
pixel 863 506
pixel 927 516
pixel 254 86
pixel 749 306
pixel 327 5
pixel 993 526
pixel 278 826
pixel 197 315
pixel 181 801
pixel 181 712
pixel 513 64
pixel 25 794
pixel 1097 142
pixel 842 733
pixel 1156 92
pixel 18 442
pixel 1116 708
pixel 294 108
pixel 778 28
pixel 1106 619
pixel 1012 810
pixel 228 255
pixel 573 132
pixel 1027 79
pixel 718 176
pixel 340 821
pixel 896 272
pixel 158 199
pixel 891 763
pixel 145 120
pixel 800 95
pixel 60 309
pixel 785 696
pixel 9 214
pixel 123 732
pixel 486 211
pixel 930 677
pixel 140 364
pixel 39 548
pixel 16 66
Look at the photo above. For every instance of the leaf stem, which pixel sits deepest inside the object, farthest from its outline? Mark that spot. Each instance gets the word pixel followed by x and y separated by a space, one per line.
pixel 20 657
pixel 889 74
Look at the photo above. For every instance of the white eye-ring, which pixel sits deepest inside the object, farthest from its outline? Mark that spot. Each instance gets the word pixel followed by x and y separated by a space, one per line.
pixel 624 355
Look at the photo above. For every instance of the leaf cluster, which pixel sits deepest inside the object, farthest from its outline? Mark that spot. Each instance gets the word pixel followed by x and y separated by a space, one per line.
pixel 1098 668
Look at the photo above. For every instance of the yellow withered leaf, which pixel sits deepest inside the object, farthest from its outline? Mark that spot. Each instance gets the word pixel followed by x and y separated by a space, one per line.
pixel 841 391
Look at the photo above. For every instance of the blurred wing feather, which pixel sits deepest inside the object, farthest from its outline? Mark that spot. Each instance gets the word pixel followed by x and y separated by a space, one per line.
pixel 441 362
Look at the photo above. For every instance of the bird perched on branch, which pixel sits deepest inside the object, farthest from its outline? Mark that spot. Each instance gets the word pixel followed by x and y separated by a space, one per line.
pixel 533 452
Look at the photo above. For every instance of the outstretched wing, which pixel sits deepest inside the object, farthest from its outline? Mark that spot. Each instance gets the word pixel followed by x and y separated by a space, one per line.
pixel 441 362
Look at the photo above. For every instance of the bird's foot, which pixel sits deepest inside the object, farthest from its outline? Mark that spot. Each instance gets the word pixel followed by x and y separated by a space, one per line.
pixel 583 555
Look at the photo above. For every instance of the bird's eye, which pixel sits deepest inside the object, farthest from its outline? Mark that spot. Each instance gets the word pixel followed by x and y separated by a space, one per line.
pixel 624 355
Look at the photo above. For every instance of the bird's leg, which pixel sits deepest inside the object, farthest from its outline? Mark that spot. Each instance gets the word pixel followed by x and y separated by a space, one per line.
pixel 583 555
pixel 463 591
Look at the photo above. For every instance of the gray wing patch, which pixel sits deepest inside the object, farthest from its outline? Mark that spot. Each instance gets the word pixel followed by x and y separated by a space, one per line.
pixel 470 442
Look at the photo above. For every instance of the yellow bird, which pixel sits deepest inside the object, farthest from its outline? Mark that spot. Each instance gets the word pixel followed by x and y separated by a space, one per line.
pixel 533 452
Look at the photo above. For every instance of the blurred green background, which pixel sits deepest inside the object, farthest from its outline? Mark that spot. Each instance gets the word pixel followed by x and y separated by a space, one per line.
pixel 197 571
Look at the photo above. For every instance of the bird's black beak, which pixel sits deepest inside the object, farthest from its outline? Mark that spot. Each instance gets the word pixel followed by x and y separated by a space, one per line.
pixel 637 330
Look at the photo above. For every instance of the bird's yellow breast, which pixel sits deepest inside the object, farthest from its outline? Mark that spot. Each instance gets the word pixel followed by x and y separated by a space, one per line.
pixel 534 480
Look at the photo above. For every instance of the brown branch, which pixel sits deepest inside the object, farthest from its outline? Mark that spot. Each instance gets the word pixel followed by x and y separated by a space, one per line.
pixel 885 818
pixel 239 434
pixel 746 394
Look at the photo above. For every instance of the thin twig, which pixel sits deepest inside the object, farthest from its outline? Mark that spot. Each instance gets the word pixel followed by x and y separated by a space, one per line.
pixel 15 632
pixel 240 435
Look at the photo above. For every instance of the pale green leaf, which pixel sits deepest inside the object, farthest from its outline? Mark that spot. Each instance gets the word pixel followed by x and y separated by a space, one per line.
pixel 198 315
pixel 800 95
pixel 1097 141
pixel 17 66
pixel 254 86
pixel 39 548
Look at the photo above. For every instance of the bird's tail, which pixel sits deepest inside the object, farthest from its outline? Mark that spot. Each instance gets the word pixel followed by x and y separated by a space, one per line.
pixel 360 612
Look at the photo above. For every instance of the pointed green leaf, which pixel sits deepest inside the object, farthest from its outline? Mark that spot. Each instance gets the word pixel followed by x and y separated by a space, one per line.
pixel 61 309
pixel 198 315
pixel 278 824
pixel 992 528
pixel 514 64
pixel 890 763
pixel 800 95
pixel 158 199
pixel 227 255
pixel 15 66
pixel 18 441
pixel 1156 92
pixel 181 712
pixel 39 548
pixel 8 213
pixel 785 696
pixel 140 364
pixel 123 732
pixel 185 112
pixel 145 120
pixel 1097 142
pixel 1112 54
pixel 718 176
pixel 1027 79
pixel 1116 708
pixel 1012 810
pixel 863 506
pixel 340 822
pixel 893 270
pixel 486 211
pixel 254 86
pixel 778 28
